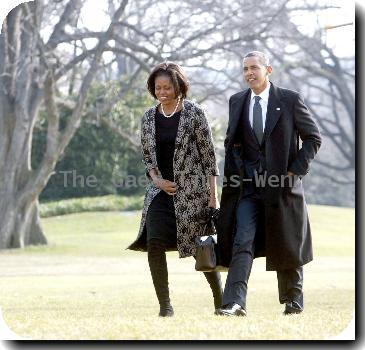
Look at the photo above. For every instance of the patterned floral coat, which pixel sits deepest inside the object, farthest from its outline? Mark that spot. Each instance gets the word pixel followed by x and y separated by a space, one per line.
pixel 194 160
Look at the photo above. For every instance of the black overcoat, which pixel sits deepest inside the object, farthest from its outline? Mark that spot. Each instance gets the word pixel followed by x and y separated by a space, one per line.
pixel 284 235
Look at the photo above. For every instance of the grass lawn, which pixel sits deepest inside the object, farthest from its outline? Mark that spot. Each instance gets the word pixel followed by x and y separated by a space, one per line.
pixel 85 285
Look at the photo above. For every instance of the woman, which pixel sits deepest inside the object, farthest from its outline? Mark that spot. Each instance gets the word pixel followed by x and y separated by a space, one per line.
pixel 180 163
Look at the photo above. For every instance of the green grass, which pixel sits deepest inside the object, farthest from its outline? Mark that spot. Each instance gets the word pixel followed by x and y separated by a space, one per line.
pixel 90 233
pixel 85 285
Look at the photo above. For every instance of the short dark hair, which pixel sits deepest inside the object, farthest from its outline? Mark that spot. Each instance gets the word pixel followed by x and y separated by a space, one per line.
pixel 264 59
pixel 175 73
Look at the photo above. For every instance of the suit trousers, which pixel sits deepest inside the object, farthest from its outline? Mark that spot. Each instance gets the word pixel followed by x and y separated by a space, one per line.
pixel 290 281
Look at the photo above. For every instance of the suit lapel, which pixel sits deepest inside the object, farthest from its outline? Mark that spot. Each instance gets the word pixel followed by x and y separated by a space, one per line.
pixel 274 110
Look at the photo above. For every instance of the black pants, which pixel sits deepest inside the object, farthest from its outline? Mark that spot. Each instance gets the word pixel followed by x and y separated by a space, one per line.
pixel 290 282
pixel 156 250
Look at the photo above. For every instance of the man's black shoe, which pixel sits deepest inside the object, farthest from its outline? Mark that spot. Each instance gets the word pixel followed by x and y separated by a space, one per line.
pixel 232 309
pixel 292 308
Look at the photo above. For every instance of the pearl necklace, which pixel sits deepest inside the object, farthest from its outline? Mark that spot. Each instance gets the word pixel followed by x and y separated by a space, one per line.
pixel 169 116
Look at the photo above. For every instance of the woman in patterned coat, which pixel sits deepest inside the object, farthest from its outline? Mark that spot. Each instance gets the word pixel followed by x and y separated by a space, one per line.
pixel 180 162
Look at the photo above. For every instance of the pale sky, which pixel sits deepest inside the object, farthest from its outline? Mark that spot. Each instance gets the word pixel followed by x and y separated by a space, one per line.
pixel 341 39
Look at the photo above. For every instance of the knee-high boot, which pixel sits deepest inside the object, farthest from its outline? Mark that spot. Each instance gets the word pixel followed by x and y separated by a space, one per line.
pixel 215 283
pixel 156 250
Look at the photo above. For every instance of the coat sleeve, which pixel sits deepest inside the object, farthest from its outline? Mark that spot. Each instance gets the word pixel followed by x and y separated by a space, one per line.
pixel 205 145
pixel 310 136
pixel 147 158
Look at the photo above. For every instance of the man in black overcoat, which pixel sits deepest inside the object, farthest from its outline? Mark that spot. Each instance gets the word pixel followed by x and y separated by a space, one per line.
pixel 263 209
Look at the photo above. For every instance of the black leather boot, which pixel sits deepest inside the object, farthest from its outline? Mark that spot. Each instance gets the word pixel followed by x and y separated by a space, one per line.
pixel 215 283
pixel 156 251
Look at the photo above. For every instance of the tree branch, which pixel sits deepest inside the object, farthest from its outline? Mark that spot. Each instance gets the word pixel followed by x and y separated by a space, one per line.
pixel 68 16
pixel 334 178
pixel 38 181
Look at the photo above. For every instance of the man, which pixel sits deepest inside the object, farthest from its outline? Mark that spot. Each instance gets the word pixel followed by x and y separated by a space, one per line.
pixel 266 214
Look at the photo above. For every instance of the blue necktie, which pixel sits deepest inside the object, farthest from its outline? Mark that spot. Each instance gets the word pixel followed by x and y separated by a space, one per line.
pixel 257 119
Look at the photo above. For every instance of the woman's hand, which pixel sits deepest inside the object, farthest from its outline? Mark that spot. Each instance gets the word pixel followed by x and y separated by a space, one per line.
pixel 166 186
pixel 213 202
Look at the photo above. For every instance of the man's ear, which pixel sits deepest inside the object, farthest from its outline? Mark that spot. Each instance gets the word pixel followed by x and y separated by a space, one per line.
pixel 269 70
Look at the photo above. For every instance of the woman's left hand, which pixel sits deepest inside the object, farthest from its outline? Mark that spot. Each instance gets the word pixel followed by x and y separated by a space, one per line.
pixel 213 202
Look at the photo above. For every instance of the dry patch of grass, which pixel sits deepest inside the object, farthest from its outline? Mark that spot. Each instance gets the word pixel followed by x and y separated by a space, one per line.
pixel 85 285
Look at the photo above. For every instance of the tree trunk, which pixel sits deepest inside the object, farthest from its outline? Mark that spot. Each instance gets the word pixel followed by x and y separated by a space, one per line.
pixel 26 80
pixel 19 214
pixel 21 226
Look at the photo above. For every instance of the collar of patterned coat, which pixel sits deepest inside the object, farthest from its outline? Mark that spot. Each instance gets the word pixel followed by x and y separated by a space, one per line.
pixel 149 129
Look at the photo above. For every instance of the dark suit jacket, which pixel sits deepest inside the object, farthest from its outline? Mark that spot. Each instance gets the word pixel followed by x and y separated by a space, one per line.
pixel 286 238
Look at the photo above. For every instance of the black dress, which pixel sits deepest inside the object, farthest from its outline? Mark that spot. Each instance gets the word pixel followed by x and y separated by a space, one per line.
pixel 161 219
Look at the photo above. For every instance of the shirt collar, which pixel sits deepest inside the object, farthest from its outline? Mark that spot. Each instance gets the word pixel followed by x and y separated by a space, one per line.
pixel 264 94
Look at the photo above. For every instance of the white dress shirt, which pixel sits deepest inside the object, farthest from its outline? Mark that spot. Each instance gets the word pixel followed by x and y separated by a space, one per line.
pixel 263 103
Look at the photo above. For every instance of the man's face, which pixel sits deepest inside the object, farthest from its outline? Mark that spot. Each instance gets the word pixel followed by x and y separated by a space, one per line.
pixel 256 74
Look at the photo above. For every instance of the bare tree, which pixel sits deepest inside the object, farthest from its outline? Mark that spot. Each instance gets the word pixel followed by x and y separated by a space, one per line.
pixel 28 75
pixel 205 37
pixel 327 81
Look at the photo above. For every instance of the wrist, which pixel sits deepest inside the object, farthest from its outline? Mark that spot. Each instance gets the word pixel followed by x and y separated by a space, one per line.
pixel 156 180
pixel 213 199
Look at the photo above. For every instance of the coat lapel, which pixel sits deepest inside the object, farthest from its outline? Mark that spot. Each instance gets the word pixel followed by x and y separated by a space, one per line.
pixel 274 111
pixel 236 111
pixel 152 134
pixel 182 127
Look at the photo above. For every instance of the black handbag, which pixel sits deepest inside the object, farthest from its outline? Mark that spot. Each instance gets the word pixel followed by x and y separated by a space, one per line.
pixel 206 245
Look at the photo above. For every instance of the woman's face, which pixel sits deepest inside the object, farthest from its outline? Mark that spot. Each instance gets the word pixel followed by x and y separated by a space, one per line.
pixel 164 90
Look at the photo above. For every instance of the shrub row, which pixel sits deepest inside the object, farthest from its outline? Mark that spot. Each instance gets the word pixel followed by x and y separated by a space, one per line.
pixel 102 203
